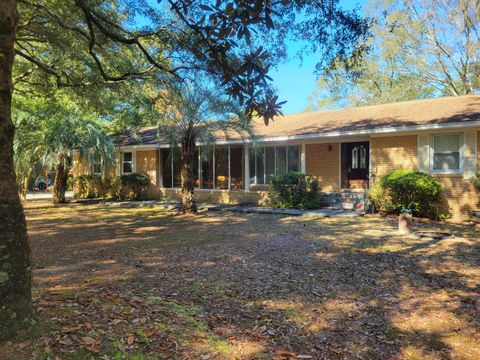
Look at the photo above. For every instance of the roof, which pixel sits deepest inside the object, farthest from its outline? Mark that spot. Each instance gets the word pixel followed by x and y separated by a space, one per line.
pixel 428 113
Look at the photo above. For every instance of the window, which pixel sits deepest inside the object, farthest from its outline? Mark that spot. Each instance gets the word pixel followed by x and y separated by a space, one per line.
pixel 96 164
pixel 293 158
pixel 221 167
pixel 266 162
pixel 236 167
pixel 167 168
pixel 446 153
pixel 127 163
pixel 359 157
pixel 206 157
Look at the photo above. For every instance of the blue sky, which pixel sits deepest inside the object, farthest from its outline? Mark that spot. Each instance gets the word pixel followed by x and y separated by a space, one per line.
pixel 295 81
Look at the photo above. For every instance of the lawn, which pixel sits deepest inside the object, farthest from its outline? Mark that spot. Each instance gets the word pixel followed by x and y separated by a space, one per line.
pixel 144 282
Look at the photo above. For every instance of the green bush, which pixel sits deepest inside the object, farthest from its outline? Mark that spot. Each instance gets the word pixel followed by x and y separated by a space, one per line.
pixel 407 189
pixel 70 179
pixel 90 187
pixel 294 190
pixel 133 186
pixel 476 181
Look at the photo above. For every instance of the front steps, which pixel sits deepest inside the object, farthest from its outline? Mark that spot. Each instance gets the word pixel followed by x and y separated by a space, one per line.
pixel 344 199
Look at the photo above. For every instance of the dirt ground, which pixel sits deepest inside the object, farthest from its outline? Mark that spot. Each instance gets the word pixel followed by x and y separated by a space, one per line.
pixel 147 283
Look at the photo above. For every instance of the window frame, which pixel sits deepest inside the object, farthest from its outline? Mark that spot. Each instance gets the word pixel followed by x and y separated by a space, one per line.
pixel 262 150
pixel 132 162
pixel 460 151
pixel 93 163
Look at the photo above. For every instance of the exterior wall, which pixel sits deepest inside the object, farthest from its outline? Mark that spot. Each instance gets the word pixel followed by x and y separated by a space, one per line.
pixel 220 196
pixel 460 196
pixel 400 152
pixel 147 163
pixel 323 164
pixel 80 166
pixel 393 153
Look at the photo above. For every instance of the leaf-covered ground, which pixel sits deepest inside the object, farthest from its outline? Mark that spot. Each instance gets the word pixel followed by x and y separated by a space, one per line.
pixel 141 283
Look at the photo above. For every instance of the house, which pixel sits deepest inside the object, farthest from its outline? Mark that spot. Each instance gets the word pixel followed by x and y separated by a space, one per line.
pixel 347 150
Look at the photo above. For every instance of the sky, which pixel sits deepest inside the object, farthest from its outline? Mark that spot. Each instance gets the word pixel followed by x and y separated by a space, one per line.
pixel 295 81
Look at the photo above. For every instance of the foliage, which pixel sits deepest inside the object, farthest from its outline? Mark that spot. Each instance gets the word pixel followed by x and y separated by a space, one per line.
pixel 92 187
pixel 419 49
pixel 476 181
pixel 407 189
pixel 51 131
pixel 190 115
pixel 134 186
pixel 97 44
pixel 294 190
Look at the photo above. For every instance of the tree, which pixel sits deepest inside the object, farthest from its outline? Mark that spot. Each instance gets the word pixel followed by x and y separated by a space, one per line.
pixel 420 49
pixel 190 114
pixel 80 45
pixel 52 131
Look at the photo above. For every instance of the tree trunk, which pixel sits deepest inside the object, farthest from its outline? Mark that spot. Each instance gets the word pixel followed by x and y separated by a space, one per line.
pixel 60 183
pixel 187 154
pixel 15 270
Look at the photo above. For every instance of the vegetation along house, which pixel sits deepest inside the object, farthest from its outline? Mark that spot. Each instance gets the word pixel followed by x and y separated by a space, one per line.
pixel 347 150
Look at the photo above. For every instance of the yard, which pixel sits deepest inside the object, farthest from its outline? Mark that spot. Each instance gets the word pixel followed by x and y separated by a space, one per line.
pixel 144 282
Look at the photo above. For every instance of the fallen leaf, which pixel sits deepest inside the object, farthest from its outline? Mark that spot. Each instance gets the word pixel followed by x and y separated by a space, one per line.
pixel 130 340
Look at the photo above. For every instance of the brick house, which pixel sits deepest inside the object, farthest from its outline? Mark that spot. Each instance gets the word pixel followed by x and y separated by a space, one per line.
pixel 345 149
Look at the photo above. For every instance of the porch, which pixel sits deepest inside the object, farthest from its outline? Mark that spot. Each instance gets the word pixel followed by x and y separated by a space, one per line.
pixel 236 170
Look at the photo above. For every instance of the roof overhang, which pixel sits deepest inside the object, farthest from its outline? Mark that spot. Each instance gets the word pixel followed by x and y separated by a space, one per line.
pixel 326 134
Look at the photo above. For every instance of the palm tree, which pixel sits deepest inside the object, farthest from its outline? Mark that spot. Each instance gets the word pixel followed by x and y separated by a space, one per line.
pixel 53 139
pixel 190 115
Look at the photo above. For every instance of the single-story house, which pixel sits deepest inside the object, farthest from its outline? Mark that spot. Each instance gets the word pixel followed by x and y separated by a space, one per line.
pixel 345 149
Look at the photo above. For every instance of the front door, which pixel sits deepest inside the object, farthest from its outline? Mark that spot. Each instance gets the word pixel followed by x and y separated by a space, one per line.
pixel 355 164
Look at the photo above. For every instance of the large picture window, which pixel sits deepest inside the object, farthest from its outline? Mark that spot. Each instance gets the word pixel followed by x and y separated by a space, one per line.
pixel 446 153
pixel 266 162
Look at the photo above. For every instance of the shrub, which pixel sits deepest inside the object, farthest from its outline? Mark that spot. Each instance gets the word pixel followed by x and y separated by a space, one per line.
pixel 294 190
pixel 476 181
pixel 407 189
pixel 90 187
pixel 133 186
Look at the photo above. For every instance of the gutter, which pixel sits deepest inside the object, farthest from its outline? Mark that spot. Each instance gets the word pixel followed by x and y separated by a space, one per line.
pixel 327 135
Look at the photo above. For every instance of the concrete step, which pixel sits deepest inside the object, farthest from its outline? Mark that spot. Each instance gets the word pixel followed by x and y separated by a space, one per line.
pixel 343 200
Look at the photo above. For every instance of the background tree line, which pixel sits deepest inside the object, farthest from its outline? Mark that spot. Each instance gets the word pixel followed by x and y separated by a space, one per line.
pixel 417 49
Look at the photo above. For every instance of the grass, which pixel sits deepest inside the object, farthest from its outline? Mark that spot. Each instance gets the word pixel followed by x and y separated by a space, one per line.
pixel 146 283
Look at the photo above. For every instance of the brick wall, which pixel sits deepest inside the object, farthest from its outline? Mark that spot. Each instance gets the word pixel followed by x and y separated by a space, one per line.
pixel 147 163
pixel 323 164
pixel 392 153
pixel 460 197
pixel 400 152
pixel 220 196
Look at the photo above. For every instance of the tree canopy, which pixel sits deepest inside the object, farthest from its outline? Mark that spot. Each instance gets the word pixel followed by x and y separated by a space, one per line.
pixel 86 45
pixel 418 49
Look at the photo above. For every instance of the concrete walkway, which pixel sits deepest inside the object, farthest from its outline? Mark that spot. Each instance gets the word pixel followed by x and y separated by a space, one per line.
pixel 321 213
pixel 170 205
pixel 45 195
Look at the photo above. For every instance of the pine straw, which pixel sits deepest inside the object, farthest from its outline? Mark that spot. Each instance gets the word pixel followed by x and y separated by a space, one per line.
pixel 148 283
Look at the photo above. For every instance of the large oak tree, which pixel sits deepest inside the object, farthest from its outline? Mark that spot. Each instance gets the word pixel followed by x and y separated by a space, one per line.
pixel 87 46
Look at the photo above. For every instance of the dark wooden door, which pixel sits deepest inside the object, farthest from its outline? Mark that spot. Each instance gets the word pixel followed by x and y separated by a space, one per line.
pixel 357 163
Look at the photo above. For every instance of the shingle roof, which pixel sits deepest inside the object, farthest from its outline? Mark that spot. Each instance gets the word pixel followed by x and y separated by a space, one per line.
pixel 429 112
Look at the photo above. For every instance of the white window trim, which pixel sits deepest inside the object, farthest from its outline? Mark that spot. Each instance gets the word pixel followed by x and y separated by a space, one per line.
pixel 92 165
pixel 461 155
pixel 132 162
